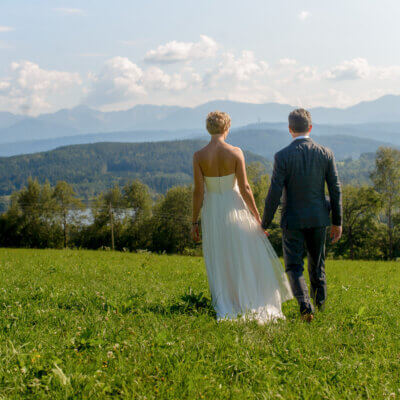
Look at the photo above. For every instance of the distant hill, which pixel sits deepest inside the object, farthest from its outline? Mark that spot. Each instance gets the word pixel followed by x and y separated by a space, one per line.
pixel 385 109
pixel 7 119
pixel 83 120
pixel 92 168
pixel 264 139
pixel 35 146
pixel 25 129
pixel 383 131
pixel 267 143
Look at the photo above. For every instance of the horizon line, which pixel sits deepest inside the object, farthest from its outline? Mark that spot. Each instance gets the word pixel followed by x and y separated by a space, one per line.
pixel 196 106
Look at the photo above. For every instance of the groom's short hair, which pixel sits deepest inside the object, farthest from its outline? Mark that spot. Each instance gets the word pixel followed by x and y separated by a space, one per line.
pixel 300 120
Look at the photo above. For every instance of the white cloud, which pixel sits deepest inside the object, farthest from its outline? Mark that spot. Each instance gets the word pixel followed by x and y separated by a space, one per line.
pixel 360 69
pixel 69 11
pixel 287 61
pixel 232 70
pixel 29 87
pixel 6 28
pixel 304 15
pixel 120 83
pixel 175 51
pixel 388 72
pixel 155 78
pixel 4 86
pixel 242 78
pixel 357 68
pixel 120 79
pixel 307 73
pixel 123 82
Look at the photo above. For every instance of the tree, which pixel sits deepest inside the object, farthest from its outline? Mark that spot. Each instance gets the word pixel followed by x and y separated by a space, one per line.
pixel 9 224
pixel 259 183
pixel 172 220
pixel 65 202
pixel 31 215
pixel 386 179
pixel 138 200
pixel 109 210
pixel 137 197
pixel 361 208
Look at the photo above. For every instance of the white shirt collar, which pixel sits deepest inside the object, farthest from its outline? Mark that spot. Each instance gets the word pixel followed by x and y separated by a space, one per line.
pixel 301 137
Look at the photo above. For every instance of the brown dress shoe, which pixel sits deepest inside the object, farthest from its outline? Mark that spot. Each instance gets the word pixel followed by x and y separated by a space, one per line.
pixel 307 317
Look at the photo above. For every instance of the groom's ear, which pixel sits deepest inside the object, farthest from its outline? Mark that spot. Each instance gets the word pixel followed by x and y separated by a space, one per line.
pixel 310 129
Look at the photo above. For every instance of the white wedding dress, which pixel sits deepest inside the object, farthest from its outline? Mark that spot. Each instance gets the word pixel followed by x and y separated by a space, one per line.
pixel 245 276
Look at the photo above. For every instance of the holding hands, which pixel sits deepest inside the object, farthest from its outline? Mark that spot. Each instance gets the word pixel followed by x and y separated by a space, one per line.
pixel 195 232
pixel 336 233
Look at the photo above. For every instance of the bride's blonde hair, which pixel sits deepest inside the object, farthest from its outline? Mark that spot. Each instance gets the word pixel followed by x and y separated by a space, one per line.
pixel 218 122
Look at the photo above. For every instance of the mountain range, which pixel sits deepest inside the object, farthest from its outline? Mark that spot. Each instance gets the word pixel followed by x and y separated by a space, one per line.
pixel 373 117
pixel 263 139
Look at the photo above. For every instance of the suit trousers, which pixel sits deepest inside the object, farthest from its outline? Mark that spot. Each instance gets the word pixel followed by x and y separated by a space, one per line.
pixel 293 253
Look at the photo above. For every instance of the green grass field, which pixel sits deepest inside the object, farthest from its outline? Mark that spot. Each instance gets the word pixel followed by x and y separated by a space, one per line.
pixel 96 325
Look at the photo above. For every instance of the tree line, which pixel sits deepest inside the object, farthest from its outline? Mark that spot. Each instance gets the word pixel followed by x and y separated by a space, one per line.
pixel 128 217
pixel 93 168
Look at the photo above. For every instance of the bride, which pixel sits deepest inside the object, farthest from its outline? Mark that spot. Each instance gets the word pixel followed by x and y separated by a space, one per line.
pixel 245 276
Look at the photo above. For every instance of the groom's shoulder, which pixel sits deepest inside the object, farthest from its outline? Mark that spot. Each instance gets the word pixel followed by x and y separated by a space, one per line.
pixel 285 151
pixel 296 147
pixel 323 150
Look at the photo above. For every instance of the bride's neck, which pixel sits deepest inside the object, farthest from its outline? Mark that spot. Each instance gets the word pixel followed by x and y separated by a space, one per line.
pixel 218 138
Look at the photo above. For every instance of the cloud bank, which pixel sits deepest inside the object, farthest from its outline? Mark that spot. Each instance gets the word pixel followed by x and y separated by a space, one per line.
pixel 174 51
pixel 190 73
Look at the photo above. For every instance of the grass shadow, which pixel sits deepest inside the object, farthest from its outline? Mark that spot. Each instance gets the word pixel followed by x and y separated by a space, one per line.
pixel 190 303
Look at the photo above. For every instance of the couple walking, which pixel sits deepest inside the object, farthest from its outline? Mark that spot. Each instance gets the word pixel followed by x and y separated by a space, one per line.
pixel 244 273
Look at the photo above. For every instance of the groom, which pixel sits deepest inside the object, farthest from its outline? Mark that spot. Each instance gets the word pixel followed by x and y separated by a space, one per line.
pixel 300 172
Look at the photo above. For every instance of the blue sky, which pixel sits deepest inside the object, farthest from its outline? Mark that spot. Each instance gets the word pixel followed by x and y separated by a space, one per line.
pixel 113 55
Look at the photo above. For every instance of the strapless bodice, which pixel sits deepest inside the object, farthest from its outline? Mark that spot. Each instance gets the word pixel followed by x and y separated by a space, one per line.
pixel 220 184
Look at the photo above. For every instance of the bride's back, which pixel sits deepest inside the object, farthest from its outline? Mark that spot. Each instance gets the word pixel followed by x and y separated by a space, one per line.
pixel 217 159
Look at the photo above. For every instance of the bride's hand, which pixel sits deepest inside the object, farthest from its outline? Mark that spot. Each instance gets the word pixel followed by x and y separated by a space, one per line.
pixel 195 233
pixel 258 219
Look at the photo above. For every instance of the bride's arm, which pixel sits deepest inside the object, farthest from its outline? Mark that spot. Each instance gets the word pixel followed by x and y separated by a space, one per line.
pixel 244 187
pixel 198 196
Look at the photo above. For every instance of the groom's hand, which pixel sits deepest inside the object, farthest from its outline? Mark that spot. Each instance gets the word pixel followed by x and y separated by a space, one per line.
pixel 336 233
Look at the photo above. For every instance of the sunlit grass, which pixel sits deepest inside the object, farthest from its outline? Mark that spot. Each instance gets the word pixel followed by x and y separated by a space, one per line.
pixel 82 324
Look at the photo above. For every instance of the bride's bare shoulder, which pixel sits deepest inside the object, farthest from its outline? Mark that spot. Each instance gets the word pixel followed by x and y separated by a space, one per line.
pixel 227 149
pixel 201 152
pixel 237 151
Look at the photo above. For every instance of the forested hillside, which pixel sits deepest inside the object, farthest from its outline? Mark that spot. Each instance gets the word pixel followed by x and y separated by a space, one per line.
pixel 357 172
pixel 92 168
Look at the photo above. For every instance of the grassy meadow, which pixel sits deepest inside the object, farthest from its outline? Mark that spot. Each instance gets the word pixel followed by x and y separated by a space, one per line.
pixel 98 325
